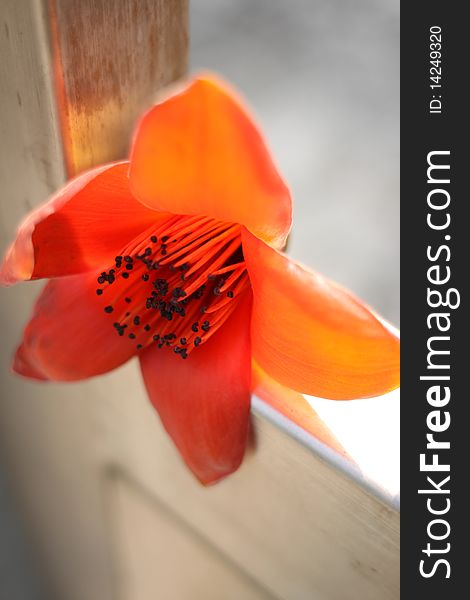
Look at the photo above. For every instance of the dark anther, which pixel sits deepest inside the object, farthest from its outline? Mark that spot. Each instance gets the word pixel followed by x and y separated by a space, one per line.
pixel 111 277
pixel 184 353
pixel 194 327
pixel 169 336
pixel 99 292
pixel 205 326
pixel 128 314
pixel 154 239
pixel 145 277
pixel 128 259
pixel 137 320
pixel 147 327
pixel 161 286
pixel 108 309
pixel 179 310
pixel 199 293
pixel 120 328
pixel 128 300
pixel 117 258
pixel 164 238
pixel 125 275
pixel 139 346
pixel 183 341
pixel 101 279
pixel 179 293
pixel 217 291
pixel 177 350
pixel 203 309
pixel 184 267
pixel 156 338
pixel 148 251
pixel 197 341
pixel 163 250
pixel 211 277
pixel 132 336
pixel 230 294
pixel 129 266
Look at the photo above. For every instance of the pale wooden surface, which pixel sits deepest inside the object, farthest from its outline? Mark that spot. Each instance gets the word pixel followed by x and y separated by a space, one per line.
pixel 295 519
pixel 295 523
pixel 159 556
pixel 46 432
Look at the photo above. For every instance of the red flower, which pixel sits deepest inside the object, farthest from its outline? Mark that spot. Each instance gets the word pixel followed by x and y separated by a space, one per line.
pixel 174 256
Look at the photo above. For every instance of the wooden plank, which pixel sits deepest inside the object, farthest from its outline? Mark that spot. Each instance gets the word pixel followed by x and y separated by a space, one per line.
pixel 31 164
pixel 47 433
pixel 110 58
pixel 292 517
pixel 158 556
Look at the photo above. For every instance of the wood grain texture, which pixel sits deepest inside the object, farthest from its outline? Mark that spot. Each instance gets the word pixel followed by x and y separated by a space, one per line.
pixel 47 433
pixel 110 58
pixel 31 161
pixel 289 519
pixel 159 556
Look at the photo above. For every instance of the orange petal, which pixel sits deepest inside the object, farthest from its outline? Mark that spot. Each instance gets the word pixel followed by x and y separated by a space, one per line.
pixel 204 401
pixel 312 335
pixel 199 152
pixel 82 227
pixel 69 336
pixel 294 406
pixel 23 365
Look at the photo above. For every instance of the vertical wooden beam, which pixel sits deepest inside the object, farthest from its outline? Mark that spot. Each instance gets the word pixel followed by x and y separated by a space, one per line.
pixel 109 60
pixel 74 76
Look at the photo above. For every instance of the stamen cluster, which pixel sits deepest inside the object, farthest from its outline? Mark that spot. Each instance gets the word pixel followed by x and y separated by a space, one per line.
pixel 177 283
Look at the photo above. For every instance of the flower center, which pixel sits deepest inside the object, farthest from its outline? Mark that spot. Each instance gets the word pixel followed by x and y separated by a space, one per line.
pixel 176 284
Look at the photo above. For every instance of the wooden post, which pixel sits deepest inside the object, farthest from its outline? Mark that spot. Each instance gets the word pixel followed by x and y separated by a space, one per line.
pixel 109 60
pixel 112 510
pixel 74 77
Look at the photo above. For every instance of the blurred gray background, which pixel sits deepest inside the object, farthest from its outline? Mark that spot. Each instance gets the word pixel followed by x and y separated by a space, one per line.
pixel 323 79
